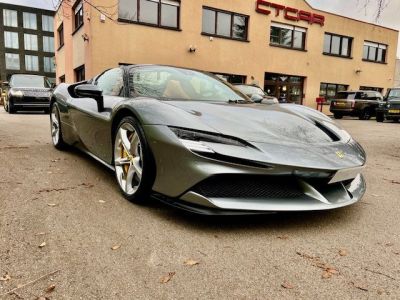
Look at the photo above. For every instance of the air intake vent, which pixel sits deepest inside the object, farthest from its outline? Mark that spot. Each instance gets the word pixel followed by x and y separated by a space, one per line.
pixel 328 132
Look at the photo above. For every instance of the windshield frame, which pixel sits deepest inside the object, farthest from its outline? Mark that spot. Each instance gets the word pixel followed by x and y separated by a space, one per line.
pixel 132 92
pixel 46 83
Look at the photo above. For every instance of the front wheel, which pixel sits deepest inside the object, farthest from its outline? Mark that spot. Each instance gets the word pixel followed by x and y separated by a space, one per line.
pixel 133 161
pixel 380 117
pixel 55 123
pixel 365 114
pixel 338 116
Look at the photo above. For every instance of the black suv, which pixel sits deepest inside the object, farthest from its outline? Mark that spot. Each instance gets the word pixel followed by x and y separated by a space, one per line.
pixel 361 104
pixel 24 92
pixel 389 109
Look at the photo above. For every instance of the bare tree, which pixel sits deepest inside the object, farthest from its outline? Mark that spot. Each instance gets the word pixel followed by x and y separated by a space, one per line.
pixel 380 6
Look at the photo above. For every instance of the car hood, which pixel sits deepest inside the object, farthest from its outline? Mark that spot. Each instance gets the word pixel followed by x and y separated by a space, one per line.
pixel 279 123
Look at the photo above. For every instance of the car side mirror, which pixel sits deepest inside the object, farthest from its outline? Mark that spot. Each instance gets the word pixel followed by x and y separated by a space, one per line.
pixel 91 91
pixel 257 98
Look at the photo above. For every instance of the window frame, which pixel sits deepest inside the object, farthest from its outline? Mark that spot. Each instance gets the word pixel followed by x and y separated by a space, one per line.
pixel 76 9
pixel 12 12
pixel 25 13
pixel 60 35
pixel 376 52
pixel 36 60
pixel 31 35
pixel 51 50
pixel 304 41
pixel 336 90
pixel 350 45
pixel 159 15
pixel 46 17
pixel 79 70
pixel 19 61
pixel 52 66
pixel 17 40
pixel 232 15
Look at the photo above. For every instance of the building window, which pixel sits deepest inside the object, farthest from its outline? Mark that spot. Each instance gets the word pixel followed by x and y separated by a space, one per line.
pixel 31 42
pixel 329 90
pixel 371 88
pixel 10 18
pixel 161 13
pixel 62 79
pixel 80 73
pixel 48 44
pixel 31 63
pixel 47 23
pixel 60 32
pixel 286 88
pixel 11 40
pixel 12 61
pixel 78 16
pixel 374 52
pixel 48 64
pixel 224 24
pixel 337 45
pixel 29 21
pixel 288 36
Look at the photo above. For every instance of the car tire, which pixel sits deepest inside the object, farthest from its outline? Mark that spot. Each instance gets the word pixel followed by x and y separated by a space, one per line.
pixel 10 107
pixel 380 117
pixel 365 114
pixel 55 128
pixel 133 161
pixel 338 116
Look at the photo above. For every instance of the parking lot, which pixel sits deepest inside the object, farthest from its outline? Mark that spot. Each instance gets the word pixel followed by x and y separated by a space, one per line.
pixel 67 233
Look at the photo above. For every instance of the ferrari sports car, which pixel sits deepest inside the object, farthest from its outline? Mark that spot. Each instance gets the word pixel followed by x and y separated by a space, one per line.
pixel 193 141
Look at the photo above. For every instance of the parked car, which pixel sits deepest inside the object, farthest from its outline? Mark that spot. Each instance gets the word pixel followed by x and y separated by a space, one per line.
pixel 190 140
pixel 361 104
pixel 389 109
pixel 27 92
pixel 256 93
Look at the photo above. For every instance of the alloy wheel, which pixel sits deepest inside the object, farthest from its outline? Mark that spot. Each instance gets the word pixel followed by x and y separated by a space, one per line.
pixel 55 125
pixel 128 157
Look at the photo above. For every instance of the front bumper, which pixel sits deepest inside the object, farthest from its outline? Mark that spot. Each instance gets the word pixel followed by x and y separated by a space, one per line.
pixel 30 102
pixel 204 185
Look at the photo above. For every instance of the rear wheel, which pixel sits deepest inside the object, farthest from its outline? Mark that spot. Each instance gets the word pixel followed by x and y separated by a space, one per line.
pixel 337 116
pixel 55 123
pixel 365 114
pixel 133 161
pixel 380 117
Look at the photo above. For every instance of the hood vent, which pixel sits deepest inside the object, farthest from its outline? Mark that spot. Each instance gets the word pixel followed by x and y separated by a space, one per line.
pixel 328 132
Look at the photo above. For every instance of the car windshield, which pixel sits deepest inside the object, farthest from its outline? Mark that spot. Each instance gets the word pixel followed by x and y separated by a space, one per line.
pixel 29 81
pixel 394 93
pixel 348 95
pixel 168 83
pixel 250 89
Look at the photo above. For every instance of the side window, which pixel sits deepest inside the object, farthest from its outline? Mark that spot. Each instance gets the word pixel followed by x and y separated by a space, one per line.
pixel 111 82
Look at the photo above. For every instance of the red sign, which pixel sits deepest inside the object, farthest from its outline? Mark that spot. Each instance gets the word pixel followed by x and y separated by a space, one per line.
pixel 289 13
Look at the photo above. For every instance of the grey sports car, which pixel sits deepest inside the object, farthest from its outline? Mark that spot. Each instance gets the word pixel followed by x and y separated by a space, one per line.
pixel 193 141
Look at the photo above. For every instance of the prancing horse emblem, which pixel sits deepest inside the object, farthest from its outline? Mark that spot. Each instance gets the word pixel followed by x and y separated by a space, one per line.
pixel 340 154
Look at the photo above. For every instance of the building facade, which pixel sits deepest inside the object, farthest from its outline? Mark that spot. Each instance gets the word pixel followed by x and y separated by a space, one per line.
pixel 397 74
pixel 26 41
pixel 293 51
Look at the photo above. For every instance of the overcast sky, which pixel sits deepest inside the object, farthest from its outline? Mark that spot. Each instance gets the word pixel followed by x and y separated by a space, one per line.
pixel 351 8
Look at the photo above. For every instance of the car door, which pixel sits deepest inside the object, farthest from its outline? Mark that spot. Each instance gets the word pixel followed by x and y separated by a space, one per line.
pixel 94 126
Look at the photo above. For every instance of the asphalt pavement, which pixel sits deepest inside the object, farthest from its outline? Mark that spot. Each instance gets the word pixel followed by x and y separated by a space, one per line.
pixel 67 233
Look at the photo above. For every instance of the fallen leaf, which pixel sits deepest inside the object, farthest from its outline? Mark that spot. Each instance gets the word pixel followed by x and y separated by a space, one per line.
pixel 287 285
pixel 396 252
pixel 51 288
pixel 326 275
pixel 102 201
pixel 115 247
pixel 342 252
pixel 41 233
pixel 167 277
pixel 283 237
pixel 360 286
pixel 389 244
pixel 42 245
pixel 5 277
pixel 191 262
pixel 332 271
pixel 52 204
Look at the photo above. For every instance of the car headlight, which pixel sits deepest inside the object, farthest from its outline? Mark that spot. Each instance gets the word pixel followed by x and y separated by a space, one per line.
pixel 16 93
pixel 195 140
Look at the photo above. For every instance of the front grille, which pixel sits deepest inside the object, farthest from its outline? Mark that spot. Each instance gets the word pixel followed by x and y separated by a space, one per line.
pixel 234 186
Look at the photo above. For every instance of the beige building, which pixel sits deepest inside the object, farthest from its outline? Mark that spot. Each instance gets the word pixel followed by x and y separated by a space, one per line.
pixel 293 51
pixel 397 74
